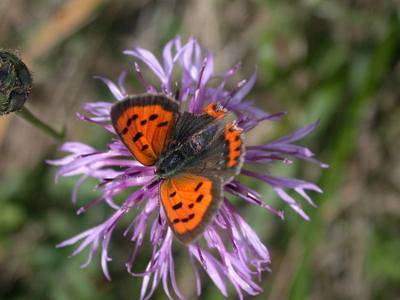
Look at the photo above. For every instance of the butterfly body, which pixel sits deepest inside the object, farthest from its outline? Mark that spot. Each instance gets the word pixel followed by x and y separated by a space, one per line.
pixel 193 155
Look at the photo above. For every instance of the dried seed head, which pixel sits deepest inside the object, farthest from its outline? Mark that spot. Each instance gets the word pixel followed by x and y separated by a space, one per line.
pixel 15 83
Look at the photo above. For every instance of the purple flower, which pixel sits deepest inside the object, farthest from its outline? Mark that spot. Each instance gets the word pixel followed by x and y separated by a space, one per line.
pixel 230 251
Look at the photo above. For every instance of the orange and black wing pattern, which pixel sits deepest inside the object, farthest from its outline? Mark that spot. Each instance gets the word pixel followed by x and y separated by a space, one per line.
pixel 231 143
pixel 190 202
pixel 144 124
pixel 234 143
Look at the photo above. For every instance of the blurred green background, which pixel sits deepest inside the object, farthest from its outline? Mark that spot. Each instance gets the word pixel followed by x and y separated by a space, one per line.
pixel 336 60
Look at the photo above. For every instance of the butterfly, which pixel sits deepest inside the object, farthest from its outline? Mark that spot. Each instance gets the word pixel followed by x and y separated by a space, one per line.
pixel 194 155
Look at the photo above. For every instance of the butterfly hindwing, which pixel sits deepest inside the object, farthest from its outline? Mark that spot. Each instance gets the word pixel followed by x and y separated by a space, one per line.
pixel 228 151
pixel 190 202
pixel 234 146
pixel 223 145
pixel 144 124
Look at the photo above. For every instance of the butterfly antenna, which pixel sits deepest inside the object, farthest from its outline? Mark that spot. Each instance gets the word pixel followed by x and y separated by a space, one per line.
pixel 197 91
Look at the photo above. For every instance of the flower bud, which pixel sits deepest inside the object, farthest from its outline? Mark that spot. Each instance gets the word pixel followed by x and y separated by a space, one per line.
pixel 15 83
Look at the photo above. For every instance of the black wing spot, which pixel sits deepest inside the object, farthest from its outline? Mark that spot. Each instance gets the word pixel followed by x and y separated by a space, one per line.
pixel 175 221
pixel 144 147
pixel 172 194
pixel 153 117
pixel 177 206
pixel 198 186
pixel 133 118
pixel 143 122
pixel 237 138
pixel 185 220
pixel 237 148
pixel 231 129
pixel 137 136
pixel 191 205
pixel 199 198
pixel 191 216
pixel 162 124
pixel 125 131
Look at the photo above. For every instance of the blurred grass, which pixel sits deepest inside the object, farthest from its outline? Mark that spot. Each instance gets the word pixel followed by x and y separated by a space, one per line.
pixel 377 64
pixel 337 61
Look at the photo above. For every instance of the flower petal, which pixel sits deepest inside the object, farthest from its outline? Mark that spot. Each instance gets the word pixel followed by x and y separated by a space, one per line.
pixel 150 60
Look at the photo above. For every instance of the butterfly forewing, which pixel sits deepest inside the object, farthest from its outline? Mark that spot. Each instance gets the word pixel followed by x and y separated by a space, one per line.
pixel 190 202
pixel 144 123
pixel 188 124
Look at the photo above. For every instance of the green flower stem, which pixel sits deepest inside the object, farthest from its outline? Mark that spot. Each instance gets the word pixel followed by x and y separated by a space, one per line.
pixel 32 119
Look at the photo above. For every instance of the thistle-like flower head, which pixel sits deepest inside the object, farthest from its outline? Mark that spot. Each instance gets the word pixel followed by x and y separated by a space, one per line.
pixel 229 251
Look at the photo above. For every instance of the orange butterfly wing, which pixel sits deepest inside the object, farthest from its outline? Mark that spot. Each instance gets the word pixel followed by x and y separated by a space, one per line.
pixel 234 140
pixel 144 124
pixel 190 202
